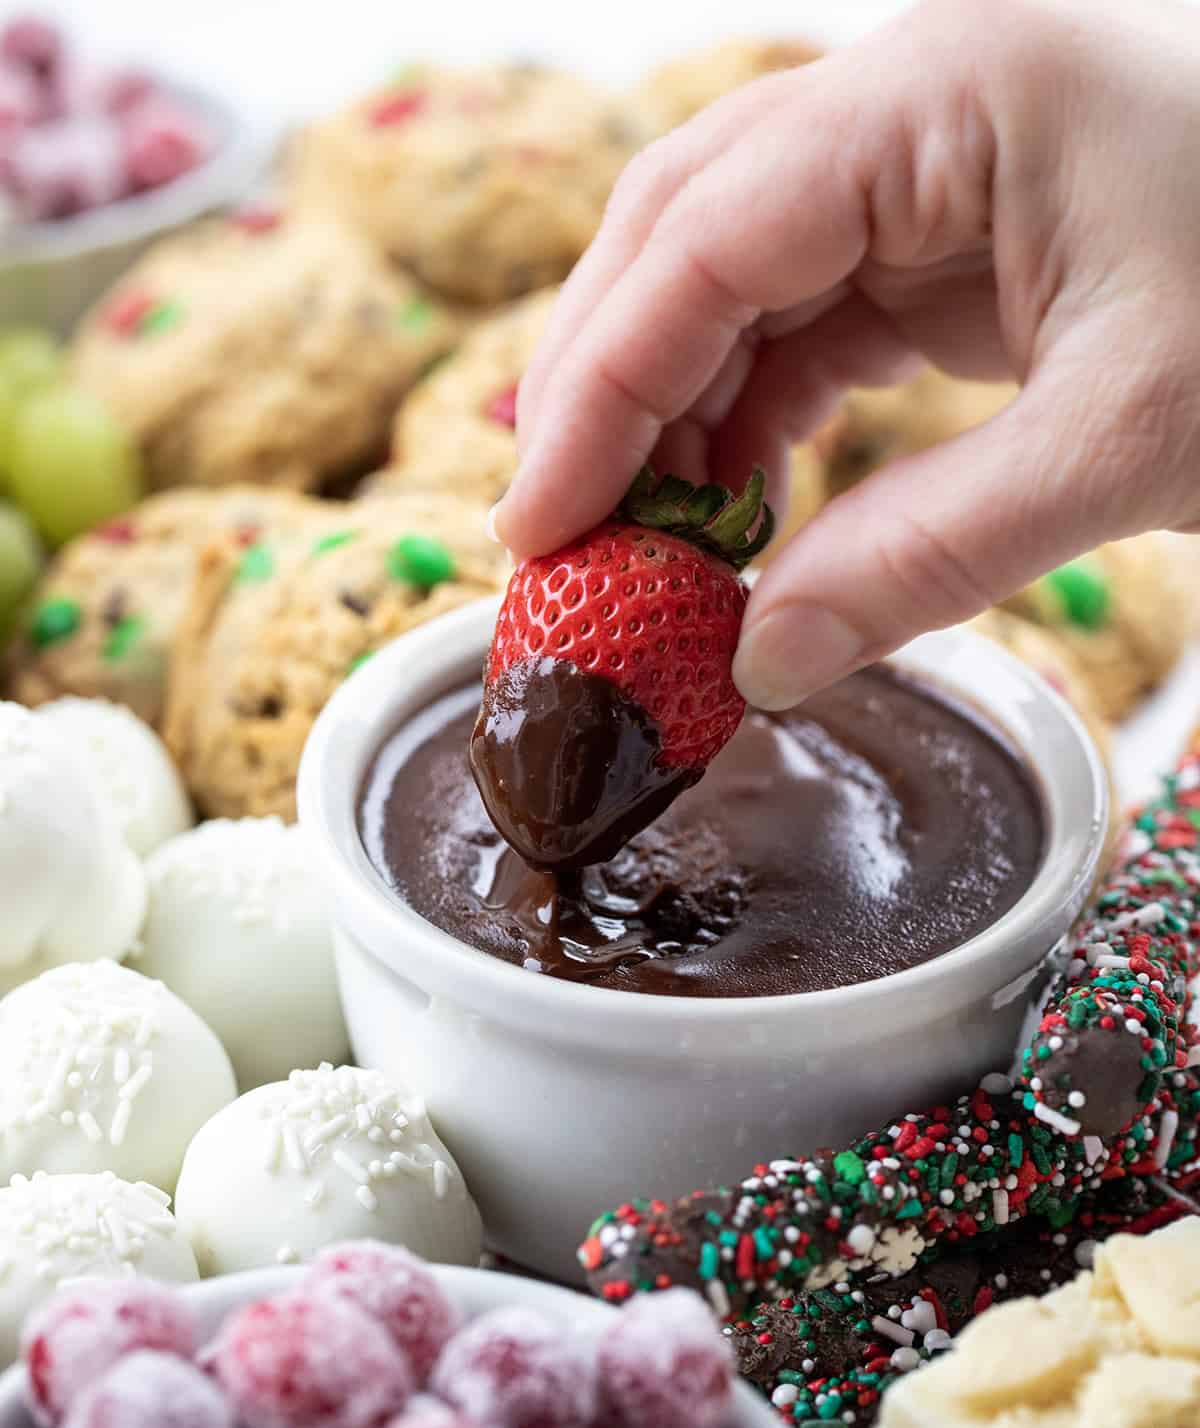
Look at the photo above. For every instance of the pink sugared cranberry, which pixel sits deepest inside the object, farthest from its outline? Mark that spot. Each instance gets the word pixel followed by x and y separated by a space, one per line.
pixel 398 1291
pixel 66 167
pixel 162 141
pixel 664 1364
pixel 513 1369
pixel 503 407
pixel 86 1329
pixel 429 1413
pixel 150 1390
pixel 398 108
pixel 30 41
pixel 94 89
pixel 18 99
pixel 309 1360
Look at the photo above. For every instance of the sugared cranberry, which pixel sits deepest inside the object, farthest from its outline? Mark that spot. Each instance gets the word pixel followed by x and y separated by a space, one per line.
pixel 30 41
pixel 309 1360
pixel 162 141
pixel 18 99
pixel 429 1413
pixel 149 1390
pixel 503 407
pixel 513 1369
pixel 84 1330
pixel 664 1364
pixel 66 167
pixel 103 90
pixel 397 1290
pixel 398 108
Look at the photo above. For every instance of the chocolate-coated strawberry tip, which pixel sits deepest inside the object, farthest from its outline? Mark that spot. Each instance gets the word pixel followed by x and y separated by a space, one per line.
pixel 568 768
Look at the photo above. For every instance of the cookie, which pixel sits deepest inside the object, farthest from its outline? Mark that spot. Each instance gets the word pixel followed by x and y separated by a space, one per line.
pixel 875 425
pixel 486 183
pixel 672 93
pixel 1124 611
pixel 261 348
pixel 457 431
pixel 273 629
pixel 103 619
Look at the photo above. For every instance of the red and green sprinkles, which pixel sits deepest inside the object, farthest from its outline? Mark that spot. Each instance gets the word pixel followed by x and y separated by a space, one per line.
pixel 420 560
pixel 1115 1033
pixel 53 621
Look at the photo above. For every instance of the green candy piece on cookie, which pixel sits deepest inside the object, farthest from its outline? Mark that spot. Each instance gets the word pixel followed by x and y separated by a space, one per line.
pixel 125 634
pixel 420 560
pixel 1082 590
pixel 332 541
pixel 415 315
pixel 53 621
pixel 161 318
pixel 256 564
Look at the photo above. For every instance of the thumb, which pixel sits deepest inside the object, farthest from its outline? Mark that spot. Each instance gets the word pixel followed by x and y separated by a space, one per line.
pixel 936 538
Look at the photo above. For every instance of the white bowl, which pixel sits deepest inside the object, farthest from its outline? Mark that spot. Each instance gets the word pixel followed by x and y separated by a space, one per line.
pixel 475 1291
pixel 561 1100
pixel 50 273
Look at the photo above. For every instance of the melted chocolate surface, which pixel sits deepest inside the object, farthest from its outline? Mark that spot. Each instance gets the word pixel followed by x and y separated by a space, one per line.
pixel 873 828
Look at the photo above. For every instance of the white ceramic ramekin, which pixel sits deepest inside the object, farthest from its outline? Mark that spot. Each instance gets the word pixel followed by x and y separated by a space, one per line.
pixel 560 1100
pixel 475 1291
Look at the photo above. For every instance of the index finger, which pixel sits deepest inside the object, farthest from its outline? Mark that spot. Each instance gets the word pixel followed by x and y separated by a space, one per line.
pixel 757 231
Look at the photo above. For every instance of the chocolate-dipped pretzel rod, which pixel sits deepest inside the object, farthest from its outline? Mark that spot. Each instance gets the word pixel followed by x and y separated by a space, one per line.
pixel 993 1157
pixel 877 1208
pixel 832 1353
pixel 1116 1019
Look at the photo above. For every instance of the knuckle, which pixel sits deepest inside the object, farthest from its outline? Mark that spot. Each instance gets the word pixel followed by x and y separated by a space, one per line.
pixel 931 584
pixel 646 182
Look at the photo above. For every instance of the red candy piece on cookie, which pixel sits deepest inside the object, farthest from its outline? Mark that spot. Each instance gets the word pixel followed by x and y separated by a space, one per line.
pixel 309 1360
pixel 502 409
pixel 256 219
pixel 397 1290
pixel 84 1331
pixel 151 1390
pixel 513 1369
pixel 123 315
pixel 398 108
pixel 664 1364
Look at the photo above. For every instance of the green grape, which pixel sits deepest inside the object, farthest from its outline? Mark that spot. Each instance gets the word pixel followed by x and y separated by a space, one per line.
pixel 73 465
pixel 29 360
pixel 20 561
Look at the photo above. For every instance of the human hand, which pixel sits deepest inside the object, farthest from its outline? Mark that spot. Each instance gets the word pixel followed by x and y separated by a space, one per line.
pixel 1004 187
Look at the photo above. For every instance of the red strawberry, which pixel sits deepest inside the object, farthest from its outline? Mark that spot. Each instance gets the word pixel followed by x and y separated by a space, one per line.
pixel 608 689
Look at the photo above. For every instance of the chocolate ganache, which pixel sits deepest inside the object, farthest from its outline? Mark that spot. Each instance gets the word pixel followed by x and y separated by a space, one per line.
pixel 878 825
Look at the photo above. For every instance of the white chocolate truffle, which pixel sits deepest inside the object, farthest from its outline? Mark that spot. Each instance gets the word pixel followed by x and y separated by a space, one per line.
pixel 104 1069
pixel 69 886
pixel 237 927
pixel 326 1155
pixel 55 1228
pixel 131 767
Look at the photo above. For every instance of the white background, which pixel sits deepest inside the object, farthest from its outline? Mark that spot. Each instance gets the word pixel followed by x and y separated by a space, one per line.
pixel 289 57
pixel 285 59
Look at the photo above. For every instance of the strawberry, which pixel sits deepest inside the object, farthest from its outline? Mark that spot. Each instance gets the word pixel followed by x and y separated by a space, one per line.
pixel 609 688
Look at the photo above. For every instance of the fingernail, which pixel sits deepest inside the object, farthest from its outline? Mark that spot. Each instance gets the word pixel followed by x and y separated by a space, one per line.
pixel 489 525
pixel 791 652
